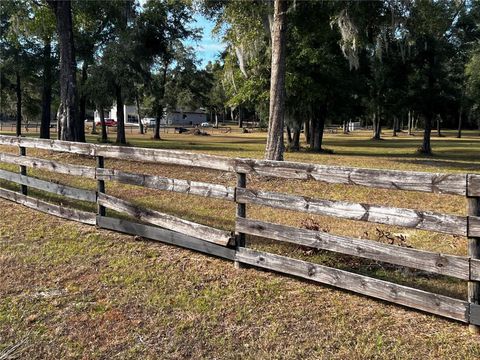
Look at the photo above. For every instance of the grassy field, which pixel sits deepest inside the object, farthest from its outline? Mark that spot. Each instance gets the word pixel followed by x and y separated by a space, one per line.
pixel 73 291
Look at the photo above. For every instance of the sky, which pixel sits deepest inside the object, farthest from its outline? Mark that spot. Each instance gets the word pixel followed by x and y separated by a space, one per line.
pixel 208 47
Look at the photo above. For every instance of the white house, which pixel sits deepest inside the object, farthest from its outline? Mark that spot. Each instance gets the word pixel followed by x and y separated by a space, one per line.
pixel 177 117
pixel 130 114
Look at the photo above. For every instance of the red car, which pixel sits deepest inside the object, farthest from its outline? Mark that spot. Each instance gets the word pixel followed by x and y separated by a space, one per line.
pixel 108 122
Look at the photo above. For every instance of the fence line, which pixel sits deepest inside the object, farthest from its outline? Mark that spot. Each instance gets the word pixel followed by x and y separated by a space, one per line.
pixel 177 231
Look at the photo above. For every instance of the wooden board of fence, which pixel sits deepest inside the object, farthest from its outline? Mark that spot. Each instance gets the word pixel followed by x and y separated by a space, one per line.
pixel 422 220
pixel 399 294
pixel 59 189
pixel 443 264
pixel 49 165
pixel 386 179
pixel 165 236
pixel 166 221
pixel 46 207
pixel 168 184
pixel 474 226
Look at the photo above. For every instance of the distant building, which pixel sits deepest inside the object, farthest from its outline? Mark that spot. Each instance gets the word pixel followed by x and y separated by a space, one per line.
pixel 177 117
pixel 130 114
pixel 186 118
pixel 354 125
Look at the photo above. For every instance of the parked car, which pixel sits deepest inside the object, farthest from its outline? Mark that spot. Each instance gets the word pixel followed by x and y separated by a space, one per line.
pixel 108 122
pixel 206 124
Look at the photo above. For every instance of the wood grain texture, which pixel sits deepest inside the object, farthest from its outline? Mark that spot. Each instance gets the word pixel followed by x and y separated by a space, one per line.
pixel 166 221
pixel 474 226
pixel 399 294
pixel 379 178
pixel 475 269
pixel 166 157
pixel 49 165
pixel 473 185
pixel 450 265
pixel 52 209
pixel 423 220
pixel 64 190
pixel 46 144
pixel 165 236
pixel 168 184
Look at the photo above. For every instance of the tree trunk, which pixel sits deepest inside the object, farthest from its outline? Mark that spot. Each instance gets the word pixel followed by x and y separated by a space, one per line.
pixel 439 130
pixel 306 131
pixel 67 115
pixel 94 128
pixel 140 124
pixel 18 91
pixel 395 122
pixel 289 138
pixel 410 123
pixel 103 125
pixel 296 140
pixel 313 126
pixel 459 133
pixel 161 96
pixel 47 91
pixel 275 147
pixel 120 116
pixel 83 105
pixel 426 146
pixel 377 128
pixel 319 130
pixel 240 117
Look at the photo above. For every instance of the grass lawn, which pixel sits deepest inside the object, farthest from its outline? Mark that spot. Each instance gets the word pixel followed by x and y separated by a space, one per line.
pixel 73 291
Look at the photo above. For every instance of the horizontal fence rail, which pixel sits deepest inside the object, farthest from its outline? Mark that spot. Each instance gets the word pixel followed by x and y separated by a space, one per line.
pixel 67 191
pixel 46 207
pixel 455 266
pixel 422 220
pixel 166 221
pixel 156 225
pixel 168 184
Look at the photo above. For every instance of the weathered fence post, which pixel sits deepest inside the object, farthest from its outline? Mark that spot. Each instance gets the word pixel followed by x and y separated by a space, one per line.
pixel 23 170
pixel 100 185
pixel 473 209
pixel 241 213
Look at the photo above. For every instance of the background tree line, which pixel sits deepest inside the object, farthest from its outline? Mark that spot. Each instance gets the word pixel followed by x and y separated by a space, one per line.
pixel 291 65
pixel 383 63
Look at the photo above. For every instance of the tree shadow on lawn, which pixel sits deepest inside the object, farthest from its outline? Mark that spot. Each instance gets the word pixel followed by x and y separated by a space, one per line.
pixel 462 166
pixel 444 149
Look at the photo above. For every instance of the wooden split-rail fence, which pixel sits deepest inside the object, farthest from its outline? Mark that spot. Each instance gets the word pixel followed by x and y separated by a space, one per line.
pixel 231 245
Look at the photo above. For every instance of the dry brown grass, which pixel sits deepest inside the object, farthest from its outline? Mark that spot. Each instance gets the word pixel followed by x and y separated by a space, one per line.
pixel 72 291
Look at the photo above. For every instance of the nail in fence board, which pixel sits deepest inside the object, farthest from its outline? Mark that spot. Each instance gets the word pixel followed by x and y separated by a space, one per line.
pixel 52 209
pixel 68 191
pixel 49 165
pixel 455 266
pixel 165 236
pixel 166 221
pixel 387 179
pixel 423 220
pixel 399 294
pixel 168 184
